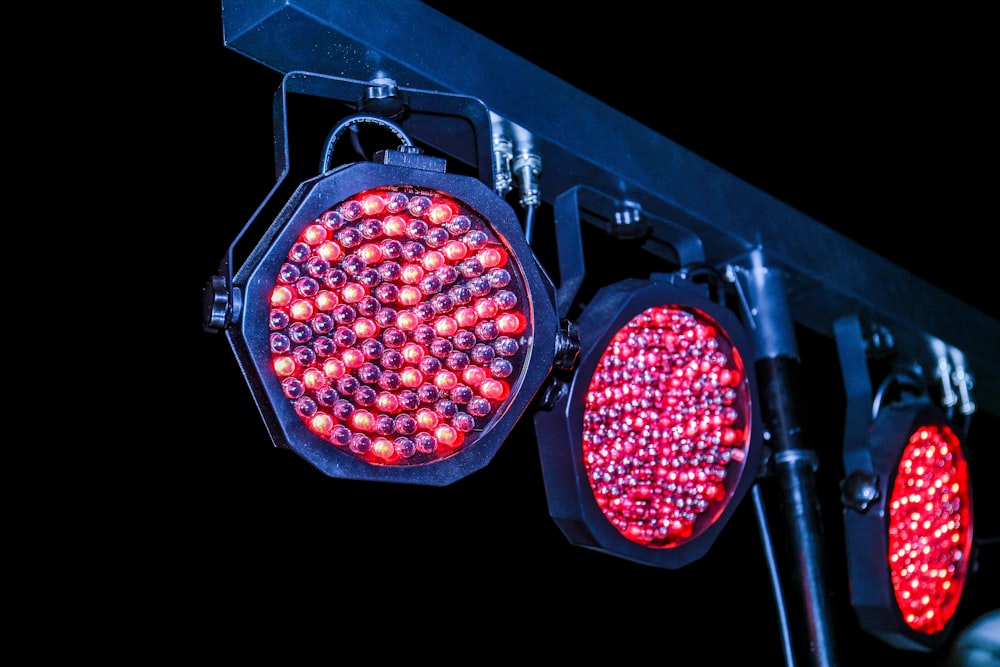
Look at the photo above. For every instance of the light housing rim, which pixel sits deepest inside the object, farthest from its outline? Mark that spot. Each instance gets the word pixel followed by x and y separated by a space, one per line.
pixel 248 332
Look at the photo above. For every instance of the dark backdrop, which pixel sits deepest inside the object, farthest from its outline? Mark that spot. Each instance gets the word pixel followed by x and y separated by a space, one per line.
pixel 872 126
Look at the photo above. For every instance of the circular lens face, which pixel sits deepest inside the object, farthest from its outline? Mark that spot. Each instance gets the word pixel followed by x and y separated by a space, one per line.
pixel 666 426
pixel 399 324
pixel 930 528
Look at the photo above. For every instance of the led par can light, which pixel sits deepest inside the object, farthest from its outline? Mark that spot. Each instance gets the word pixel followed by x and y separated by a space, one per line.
pixel 909 551
pixel 654 442
pixel 392 323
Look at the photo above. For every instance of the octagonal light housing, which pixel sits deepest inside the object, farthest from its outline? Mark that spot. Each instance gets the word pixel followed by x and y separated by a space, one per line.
pixel 392 323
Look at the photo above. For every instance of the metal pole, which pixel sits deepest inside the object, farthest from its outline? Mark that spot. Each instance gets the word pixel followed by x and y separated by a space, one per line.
pixel 794 465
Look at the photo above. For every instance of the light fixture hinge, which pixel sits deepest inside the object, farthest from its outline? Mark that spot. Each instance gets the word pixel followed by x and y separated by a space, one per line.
pixel 859 490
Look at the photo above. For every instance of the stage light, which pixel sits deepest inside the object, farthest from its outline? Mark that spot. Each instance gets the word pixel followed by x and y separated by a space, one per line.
pixel 909 541
pixel 908 506
pixel 653 441
pixel 392 322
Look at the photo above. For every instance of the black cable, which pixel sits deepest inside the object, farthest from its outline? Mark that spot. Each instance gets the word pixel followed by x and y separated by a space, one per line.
pixel 344 124
pixel 906 378
pixel 714 276
pixel 529 223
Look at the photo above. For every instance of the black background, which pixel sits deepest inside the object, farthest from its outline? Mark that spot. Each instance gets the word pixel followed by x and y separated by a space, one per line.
pixel 873 125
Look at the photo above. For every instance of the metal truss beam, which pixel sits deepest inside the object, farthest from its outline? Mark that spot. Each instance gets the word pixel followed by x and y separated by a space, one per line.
pixel 586 143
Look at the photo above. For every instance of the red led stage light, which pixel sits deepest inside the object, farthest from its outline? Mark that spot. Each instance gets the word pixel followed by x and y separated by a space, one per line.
pixel 653 443
pixel 909 549
pixel 907 496
pixel 393 323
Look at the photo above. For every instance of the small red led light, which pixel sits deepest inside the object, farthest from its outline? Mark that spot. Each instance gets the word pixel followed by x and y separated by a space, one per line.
pixel 439 214
pixel 314 234
pixel 466 317
pixel 665 423
pixel 372 204
pixel 353 358
pixel 284 366
pixel 409 295
pixel 929 528
pixel 281 296
pixel 474 376
pixel 509 323
pixel 394 225
pixel 433 260
pixel 300 310
pixel 370 253
pixel 493 389
pixel 389 316
pixel 322 423
pixel 490 257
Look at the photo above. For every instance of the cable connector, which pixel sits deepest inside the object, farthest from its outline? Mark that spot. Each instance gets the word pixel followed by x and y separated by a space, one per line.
pixel 527 167
pixel 503 154
pixel 963 381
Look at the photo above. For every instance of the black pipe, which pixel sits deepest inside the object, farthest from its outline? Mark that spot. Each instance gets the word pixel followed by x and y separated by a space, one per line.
pixel 793 467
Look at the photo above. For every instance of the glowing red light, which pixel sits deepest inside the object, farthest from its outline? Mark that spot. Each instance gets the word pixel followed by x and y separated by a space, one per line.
pixel 427 418
pixel 930 528
pixel 664 436
pixel 448 435
pixel 326 300
pixel 372 204
pixel 353 358
pixel 301 309
pixel 383 449
pixel 284 366
pixel 474 376
pixel 330 251
pixel 387 403
pixel 322 423
pixel 413 353
pixel 394 225
pixel 352 293
pixel 334 368
pixel 363 420
pixel 493 389
pixel 313 378
pixel 439 214
pixel 370 252
pixel 314 234
pixel 412 274
pixel 490 257
pixel 410 296
pixel 486 309
pixel 509 323
pixel 365 328
pixel 466 317
pixel 281 296
pixel 445 380
pixel 433 260
pixel 455 250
